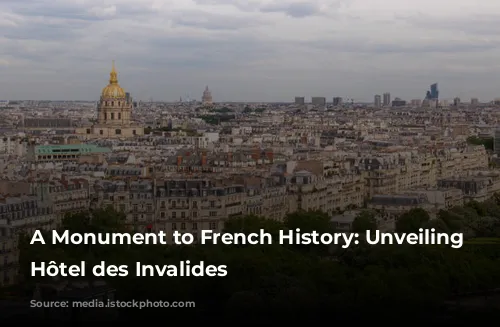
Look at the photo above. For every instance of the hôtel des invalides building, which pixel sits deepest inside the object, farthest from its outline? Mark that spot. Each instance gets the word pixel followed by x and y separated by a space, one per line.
pixel 114 114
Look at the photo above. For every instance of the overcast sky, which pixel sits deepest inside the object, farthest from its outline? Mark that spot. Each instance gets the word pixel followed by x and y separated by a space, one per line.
pixel 249 50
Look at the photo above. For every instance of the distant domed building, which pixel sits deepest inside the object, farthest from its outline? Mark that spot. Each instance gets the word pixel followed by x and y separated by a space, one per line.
pixel 114 113
pixel 206 99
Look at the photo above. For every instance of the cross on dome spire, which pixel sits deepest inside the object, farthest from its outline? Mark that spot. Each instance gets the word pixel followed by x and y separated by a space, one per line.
pixel 113 76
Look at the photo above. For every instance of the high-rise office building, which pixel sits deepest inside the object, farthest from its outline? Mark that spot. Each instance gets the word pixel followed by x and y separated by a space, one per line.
pixel 433 93
pixel 378 101
pixel 387 99
pixel 337 101
pixel 456 102
pixel 300 101
pixel 397 102
pixel 318 101
pixel 416 103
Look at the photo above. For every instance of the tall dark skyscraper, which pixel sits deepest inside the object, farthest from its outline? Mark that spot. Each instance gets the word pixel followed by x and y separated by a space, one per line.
pixel 433 93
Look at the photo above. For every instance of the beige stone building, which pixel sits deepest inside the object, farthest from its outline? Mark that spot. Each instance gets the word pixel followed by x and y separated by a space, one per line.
pixel 114 114
pixel 432 200
pixel 9 258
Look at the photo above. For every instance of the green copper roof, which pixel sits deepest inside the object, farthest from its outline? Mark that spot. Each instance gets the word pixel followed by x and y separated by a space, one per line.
pixel 70 148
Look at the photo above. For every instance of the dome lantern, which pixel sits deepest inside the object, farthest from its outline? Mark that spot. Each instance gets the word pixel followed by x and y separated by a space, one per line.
pixel 113 90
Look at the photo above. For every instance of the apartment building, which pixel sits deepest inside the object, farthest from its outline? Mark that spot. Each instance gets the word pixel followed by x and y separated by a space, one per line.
pixel 474 188
pixel 9 257
pixel 266 196
pixel 308 191
pixel 392 173
pixel 26 214
pixel 190 206
pixel 186 205
pixel 432 200
pixel 69 195
pixel 23 214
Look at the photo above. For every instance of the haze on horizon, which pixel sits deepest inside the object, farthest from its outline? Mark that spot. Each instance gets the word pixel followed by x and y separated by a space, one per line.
pixel 252 50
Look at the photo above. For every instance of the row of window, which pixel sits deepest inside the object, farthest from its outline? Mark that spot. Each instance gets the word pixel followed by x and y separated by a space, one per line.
pixel 194 226
pixel 112 116
pixel 183 215
pixel 117 131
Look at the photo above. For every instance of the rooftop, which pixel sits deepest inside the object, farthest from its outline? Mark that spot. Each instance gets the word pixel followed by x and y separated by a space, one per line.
pixel 75 148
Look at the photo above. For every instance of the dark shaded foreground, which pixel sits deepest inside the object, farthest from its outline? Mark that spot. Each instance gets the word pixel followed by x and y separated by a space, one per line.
pixel 285 283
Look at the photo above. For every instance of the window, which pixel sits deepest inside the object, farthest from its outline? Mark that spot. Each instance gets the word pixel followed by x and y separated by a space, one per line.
pixel 195 214
pixel 118 131
pixel 162 214
pixel 133 132
pixel 112 115
pixel 195 226
pixel 101 132
pixel 183 226
pixel 88 130
pixel 174 215
pixel 213 226
pixel 174 226
pixel 119 116
pixel 183 215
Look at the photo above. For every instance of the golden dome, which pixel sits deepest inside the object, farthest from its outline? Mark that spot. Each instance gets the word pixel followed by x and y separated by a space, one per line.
pixel 113 90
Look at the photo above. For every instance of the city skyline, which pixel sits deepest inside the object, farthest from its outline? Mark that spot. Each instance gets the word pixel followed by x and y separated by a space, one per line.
pixel 249 51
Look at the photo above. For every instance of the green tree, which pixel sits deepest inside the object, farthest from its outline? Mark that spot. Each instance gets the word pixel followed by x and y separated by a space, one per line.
pixel 454 222
pixel 438 224
pixel 364 221
pixel 478 207
pixel 411 221
pixel 309 221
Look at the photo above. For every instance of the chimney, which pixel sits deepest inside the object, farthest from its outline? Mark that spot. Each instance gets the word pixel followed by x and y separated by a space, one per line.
pixel 270 156
pixel 179 161
pixel 204 159
pixel 256 154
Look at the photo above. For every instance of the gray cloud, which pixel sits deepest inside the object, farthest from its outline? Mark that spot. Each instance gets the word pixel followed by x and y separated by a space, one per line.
pixel 213 21
pixel 295 10
pixel 478 25
pixel 44 32
pixel 366 46
pixel 246 50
